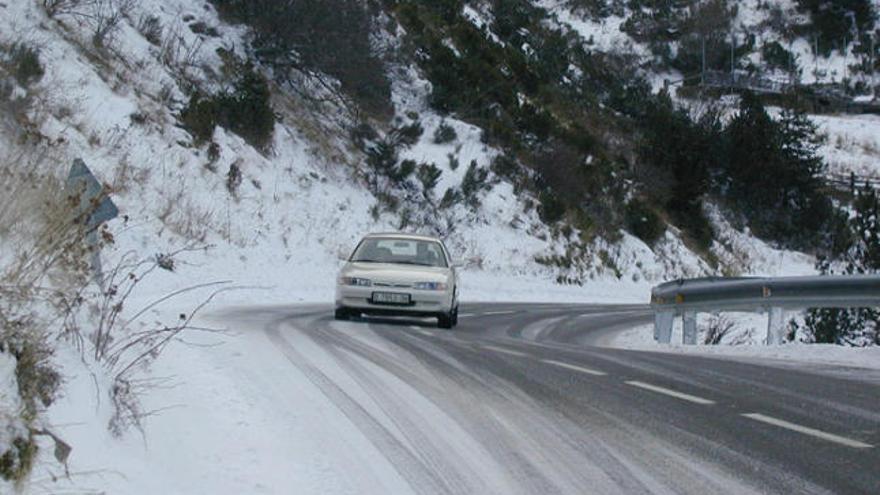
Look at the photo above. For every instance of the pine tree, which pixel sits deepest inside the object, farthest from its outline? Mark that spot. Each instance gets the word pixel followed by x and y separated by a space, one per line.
pixel 859 326
pixel 774 176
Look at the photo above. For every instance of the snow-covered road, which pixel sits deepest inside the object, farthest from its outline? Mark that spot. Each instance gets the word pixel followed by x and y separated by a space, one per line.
pixel 517 399
pixel 514 401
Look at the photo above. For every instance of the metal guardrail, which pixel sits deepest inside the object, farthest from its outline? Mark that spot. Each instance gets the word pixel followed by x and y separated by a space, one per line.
pixel 744 81
pixel 772 295
pixel 843 182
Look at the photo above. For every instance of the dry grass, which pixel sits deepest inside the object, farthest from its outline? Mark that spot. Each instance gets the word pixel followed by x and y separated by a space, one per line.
pixel 42 258
pixel 38 227
pixel 186 219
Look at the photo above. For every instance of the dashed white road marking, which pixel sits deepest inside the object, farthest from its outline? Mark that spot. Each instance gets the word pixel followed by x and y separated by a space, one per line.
pixel 465 315
pixel 809 431
pixel 671 393
pixel 505 351
pixel 574 367
pixel 496 313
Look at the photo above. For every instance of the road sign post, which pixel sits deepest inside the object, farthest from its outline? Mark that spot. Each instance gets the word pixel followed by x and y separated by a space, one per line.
pixel 94 208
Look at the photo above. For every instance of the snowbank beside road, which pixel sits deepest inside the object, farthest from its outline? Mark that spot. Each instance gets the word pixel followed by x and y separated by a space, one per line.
pixel 227 415
pixel 751 329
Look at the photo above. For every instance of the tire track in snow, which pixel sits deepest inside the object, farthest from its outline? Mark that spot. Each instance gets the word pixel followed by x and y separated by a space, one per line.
pixel 473 392
pixel 399 410
pixel 519 426
pixel 408 465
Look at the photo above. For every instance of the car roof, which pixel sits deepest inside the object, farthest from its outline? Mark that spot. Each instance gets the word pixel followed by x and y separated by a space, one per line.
pixel 403 235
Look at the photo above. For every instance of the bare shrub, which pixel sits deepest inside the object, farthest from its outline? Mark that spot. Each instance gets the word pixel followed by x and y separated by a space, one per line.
pixel 107 17
pixel 176 52
pixel 58 7
pixel 719 327
pixel 187 219
pixel 104 17
pixel 123 343
pixel 151 28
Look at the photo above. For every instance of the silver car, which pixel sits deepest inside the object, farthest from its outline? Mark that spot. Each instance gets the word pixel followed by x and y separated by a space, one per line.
pixel 399 274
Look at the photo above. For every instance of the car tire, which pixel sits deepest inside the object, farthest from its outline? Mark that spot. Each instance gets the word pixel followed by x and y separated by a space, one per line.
pixel 448 320
pixel 342 314
pixel 444 320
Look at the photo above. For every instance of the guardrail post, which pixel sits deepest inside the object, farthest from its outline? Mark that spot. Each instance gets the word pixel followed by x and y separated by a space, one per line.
pixel 775 326
pixel 663 326
pixel 689 335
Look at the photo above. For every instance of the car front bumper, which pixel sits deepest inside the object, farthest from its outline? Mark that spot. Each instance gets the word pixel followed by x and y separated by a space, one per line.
pixel 422 302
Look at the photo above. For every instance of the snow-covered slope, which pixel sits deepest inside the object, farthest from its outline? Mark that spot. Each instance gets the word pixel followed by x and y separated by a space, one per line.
pixel 755 22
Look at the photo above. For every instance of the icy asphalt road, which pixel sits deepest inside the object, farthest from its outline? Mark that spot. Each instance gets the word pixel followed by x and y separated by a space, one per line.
pixel 519 399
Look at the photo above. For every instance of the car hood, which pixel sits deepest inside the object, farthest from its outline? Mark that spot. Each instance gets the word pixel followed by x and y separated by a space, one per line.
pixel 394 273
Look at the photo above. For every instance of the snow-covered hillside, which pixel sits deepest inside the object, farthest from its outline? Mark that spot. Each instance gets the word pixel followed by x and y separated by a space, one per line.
pixel 298 206
pixel 755 23
pixel 276 236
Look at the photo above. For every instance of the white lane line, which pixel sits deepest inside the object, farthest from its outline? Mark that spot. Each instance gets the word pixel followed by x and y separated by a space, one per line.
pixel 465 315
pixel 671 393
pixel 504 351
pixel 496 313
pixel 574 367
pixel 809 431
pixel 415 327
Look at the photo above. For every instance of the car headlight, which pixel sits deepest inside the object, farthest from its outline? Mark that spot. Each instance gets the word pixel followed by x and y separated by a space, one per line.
pixel 355 281
pixel 429 286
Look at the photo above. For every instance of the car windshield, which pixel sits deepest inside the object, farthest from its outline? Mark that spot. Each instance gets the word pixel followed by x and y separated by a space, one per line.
pixel 401 251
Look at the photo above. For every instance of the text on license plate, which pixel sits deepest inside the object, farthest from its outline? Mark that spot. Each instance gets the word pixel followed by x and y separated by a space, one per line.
pixel 390 298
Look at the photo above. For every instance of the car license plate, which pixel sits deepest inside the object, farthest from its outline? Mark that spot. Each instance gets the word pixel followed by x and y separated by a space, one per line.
pixel 390 298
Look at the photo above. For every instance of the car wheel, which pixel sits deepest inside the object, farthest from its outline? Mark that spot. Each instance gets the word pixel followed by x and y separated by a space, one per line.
pixel 342 314
pixel 445 320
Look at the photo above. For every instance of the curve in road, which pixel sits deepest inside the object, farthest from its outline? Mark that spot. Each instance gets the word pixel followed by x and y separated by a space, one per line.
pixel 521 399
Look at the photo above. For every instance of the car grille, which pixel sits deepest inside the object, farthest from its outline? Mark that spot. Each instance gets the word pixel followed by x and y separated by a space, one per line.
pixel 394 286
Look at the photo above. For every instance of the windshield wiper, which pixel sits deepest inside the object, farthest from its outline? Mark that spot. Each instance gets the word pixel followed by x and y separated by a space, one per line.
pixel 412 263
